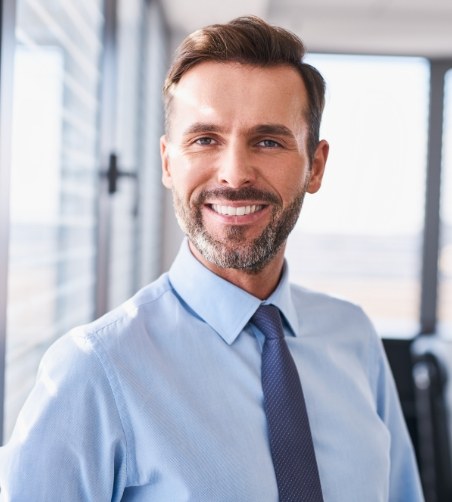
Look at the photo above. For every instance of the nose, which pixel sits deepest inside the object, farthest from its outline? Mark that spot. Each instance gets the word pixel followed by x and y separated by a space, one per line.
pixel 235 168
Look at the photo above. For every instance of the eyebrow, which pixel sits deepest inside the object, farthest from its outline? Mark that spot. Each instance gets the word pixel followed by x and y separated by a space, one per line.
pixel 261 129
pixel 273 129
pixel 200 127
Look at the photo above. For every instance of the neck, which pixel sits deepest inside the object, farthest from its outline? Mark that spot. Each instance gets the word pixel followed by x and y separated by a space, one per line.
pixel 260 284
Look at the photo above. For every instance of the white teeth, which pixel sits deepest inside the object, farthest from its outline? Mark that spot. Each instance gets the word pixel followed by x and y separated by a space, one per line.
pixel 235 211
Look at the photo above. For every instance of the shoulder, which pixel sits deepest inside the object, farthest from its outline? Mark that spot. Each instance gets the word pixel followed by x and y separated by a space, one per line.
pixel 123 329
pixel 154 301
pixel 151 296
pixel 316 306
pixel 336 323
pixel 342 327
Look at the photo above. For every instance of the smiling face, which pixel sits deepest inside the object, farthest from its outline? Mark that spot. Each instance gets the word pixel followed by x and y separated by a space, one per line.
pixel 236 160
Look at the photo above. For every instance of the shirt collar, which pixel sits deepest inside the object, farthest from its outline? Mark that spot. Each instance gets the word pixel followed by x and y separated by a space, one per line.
pixel 224 306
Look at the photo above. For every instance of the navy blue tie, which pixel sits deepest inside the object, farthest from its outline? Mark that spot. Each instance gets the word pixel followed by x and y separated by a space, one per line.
pixel 289 433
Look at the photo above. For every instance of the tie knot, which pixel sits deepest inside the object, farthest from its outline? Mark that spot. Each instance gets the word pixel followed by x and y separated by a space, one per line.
pixel 268 319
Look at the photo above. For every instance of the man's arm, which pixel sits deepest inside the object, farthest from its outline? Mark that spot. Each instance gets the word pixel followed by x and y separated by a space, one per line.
pixel 68 443
pixel 404 482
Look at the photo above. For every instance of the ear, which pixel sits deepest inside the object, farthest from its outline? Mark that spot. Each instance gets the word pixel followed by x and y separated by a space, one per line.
pixel 318 166
pixel 164 154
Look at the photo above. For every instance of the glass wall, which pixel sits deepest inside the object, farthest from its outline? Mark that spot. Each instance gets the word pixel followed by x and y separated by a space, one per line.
pixel 360 236
pixel 54 181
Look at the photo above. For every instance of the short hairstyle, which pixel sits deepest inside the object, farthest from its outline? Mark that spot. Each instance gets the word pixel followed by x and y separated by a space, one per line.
pixel 250 40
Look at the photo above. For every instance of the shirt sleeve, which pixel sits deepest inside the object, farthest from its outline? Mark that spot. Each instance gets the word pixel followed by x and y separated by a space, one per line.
pixel 68 442
pixel 404 482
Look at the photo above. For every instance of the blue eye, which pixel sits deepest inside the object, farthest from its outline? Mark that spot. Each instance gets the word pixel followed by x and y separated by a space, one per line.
pixel 206 141
pixel 269 143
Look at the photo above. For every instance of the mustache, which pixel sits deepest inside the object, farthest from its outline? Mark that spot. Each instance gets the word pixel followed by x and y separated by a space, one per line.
pixel 232 194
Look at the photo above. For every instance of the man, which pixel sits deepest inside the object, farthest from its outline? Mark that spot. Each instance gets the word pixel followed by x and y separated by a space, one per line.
pixel 172 397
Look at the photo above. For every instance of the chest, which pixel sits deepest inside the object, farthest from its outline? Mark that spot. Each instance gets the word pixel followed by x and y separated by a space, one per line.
pixel 199 429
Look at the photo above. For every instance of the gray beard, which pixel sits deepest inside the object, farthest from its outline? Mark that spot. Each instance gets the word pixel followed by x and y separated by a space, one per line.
pixel 236 251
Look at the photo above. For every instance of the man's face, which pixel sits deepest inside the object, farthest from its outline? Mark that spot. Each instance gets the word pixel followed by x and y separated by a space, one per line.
pixel 236 160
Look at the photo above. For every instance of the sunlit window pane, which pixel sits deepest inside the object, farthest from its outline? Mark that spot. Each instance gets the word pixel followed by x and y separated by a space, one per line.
pixel 360 236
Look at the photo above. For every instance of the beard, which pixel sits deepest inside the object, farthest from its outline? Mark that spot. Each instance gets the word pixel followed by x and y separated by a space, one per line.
pixel 235 250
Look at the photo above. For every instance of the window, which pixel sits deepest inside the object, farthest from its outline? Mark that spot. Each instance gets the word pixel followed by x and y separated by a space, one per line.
pixel 75 251
pixel 360 236
pixel 54 180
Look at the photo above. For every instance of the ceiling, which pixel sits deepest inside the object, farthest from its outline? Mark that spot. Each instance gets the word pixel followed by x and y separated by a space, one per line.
pixel 406 27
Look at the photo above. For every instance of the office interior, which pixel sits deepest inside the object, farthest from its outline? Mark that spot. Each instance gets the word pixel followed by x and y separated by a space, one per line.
pixel 85 221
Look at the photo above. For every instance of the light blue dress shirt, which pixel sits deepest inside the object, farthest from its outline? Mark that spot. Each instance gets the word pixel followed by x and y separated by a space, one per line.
pixel 161 400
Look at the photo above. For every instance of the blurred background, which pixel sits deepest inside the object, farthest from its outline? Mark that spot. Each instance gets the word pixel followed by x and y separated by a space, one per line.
pixel 85 222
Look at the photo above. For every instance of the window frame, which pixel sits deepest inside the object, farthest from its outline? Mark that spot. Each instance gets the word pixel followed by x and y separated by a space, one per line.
pixel 428 311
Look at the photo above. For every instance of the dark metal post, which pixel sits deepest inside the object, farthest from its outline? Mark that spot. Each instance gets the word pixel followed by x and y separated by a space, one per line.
pixel 429 283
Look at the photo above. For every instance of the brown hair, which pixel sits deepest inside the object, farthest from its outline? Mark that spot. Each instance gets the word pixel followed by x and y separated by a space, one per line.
pixel 250 40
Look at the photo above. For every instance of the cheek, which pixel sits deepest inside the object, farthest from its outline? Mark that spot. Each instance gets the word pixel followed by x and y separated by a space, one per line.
pixel 187 183
pixel 192 173
pixel 290 185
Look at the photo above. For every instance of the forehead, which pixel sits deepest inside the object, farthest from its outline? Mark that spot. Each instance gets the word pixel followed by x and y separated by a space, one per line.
pixel 240 92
